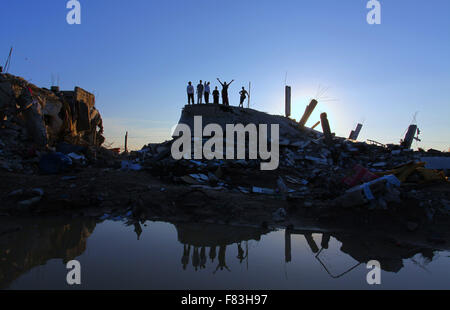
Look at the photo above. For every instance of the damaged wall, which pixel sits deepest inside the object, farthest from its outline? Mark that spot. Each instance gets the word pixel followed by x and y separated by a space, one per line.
pixel 51 117
pixel 33 118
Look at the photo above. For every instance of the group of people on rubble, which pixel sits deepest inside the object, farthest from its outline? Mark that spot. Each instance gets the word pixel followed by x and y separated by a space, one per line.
pixel 204 90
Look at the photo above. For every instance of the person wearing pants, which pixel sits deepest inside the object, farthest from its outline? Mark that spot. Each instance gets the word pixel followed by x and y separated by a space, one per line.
pixel 207 92
pixel 200 90
pixel 225 86
pixel 216 95
pixel 190 93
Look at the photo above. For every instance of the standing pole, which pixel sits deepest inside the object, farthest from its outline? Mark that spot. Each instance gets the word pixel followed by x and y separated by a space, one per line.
pixel 249 91
pixel 287 99
pixel 326 128
pixel 126 142
pixel 309 110
pixel 409 138
pixel 8 60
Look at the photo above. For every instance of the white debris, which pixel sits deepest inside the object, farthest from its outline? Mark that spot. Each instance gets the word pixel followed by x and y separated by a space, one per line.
pixel 260 190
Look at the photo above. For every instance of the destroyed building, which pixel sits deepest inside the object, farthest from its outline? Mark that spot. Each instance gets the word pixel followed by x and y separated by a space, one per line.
pixel 37 119
pixel 314 167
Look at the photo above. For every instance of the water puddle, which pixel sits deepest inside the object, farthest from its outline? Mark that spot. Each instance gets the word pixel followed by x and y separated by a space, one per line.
pixel 159 255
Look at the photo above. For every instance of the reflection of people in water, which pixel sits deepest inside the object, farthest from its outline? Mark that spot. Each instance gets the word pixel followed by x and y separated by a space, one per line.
pixel 137 229
pixel 222 263
pixel 195 259
pixel 203 258
pixel 241 254
pixel 186 254
pixel 212 254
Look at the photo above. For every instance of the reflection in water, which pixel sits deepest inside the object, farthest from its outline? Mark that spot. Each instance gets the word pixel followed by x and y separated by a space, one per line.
pixel 363 250
pixel 214 236
pixel 204 247
pixel 137 229
pixel 38 242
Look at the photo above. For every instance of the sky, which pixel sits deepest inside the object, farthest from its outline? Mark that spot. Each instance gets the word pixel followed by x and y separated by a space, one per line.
pixel 137 57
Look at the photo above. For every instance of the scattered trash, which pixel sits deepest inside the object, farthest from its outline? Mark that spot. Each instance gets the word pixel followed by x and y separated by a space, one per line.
pixel 361 175
pixel 370 191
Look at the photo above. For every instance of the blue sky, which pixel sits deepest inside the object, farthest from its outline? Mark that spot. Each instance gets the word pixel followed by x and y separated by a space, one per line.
pixel 138 55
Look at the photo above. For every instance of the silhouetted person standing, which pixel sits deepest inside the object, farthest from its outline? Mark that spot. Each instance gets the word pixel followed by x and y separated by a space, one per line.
pixel 203 258
pixel 200 89
pixel 207 92
pixel 186 254
pixel 212 251
pixel 225 86
pixel 241 254
pixel 244 95
pixel 137 229
pixel 190 93
pixel 195 259
pixel 222 255
pixel 216 95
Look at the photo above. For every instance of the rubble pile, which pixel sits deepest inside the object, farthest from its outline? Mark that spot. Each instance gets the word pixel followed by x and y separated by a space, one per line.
pixel 346 173
pixel 55 132
pixel 35 120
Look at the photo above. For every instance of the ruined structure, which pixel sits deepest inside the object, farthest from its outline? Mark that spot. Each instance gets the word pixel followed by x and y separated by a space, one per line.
pixel 50 116
pixel 33 118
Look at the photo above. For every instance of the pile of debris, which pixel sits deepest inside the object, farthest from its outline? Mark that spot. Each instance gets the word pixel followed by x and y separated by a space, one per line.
pixel 344 172
pixel 35 120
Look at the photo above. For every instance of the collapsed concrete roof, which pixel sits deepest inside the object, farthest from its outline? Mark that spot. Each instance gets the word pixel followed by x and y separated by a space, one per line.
pixel 223 115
